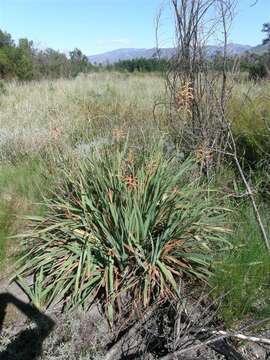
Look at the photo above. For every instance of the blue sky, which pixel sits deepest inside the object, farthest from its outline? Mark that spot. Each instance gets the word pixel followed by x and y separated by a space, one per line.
pixel 97 26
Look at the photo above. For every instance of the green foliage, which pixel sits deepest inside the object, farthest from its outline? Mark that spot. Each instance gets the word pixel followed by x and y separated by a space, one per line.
pixel 266 30
pixel 6 219
pixel 249 116
pixel 16 61
pixel 242 277
pixel 257 71
pixel 216 62
pixel 5 39
pixel 3 89
pixel 122 226
pixel 20 188
pixel 256 65
pixel 24 62
pixel 37 293
pixel 23 179
pixel 7 55
pixel 140 65
pixel 79 62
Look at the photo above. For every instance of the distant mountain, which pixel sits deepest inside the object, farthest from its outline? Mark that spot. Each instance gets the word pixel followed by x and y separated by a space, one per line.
pixel 260 49
pixel 114 56
pixel 122 54
pixel 233 49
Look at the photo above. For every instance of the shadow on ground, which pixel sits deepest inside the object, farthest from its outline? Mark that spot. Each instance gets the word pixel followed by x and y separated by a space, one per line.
pixel 27 344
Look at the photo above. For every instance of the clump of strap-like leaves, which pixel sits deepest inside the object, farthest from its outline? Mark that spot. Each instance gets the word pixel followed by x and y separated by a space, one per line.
pixel 120 228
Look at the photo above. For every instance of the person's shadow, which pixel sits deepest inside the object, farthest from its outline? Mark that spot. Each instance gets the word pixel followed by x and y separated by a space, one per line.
pixel 27 345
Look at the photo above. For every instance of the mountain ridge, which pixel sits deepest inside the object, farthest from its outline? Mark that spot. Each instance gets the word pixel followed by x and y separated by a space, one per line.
pixel 111 57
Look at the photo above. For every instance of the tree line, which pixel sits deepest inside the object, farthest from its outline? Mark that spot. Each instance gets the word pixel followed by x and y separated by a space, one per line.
pixel 140 65
pixel 24 62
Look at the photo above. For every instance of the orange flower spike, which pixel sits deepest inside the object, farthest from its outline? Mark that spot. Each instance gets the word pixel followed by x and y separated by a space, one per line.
pixel 130 159
pixel 184 98
pixel 56 133
pixel 110 195
pixel 174 190
pixel 131 181
pixel 118 134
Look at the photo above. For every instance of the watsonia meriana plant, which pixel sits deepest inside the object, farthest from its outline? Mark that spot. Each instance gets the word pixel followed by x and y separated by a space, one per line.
pixel 121 228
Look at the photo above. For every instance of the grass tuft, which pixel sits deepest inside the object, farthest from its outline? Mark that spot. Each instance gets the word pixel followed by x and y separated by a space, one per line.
pixel 122 227
pixel 21 187
pixel 242 278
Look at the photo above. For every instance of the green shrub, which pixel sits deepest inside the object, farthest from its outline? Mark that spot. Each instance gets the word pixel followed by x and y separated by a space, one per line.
pixel 120 226
pixel 257 71
pixel 242 276
pixel 249 116
pixel 3 89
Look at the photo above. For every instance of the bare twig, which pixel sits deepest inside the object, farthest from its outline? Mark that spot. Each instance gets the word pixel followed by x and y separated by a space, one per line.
pixel 116 350
pixel 221 335
pixel 260 340
pixel 249 190
pixel 176 354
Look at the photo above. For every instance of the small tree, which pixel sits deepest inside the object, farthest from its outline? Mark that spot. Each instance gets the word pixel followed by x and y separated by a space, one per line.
pixel 266 29
pixel 7 55
pixel 24 60
pixel 79 62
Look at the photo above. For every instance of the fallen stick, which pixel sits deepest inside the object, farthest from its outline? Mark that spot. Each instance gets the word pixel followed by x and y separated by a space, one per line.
pixel 175 354
pixel 221 336
pixel 115 351
pixel 260 340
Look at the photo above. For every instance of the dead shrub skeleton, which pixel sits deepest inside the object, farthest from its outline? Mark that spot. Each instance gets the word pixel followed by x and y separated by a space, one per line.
pixel 197 95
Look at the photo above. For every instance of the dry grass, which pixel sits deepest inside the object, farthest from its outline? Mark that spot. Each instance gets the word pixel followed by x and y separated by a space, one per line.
pixel 66 103
pixel 47 118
